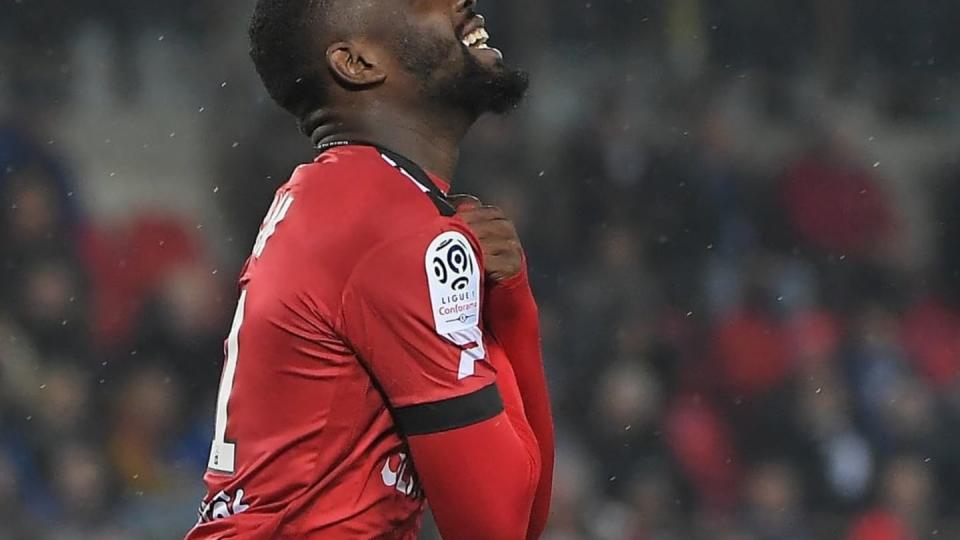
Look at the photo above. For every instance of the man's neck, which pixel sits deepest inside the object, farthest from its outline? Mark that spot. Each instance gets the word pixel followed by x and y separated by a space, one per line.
pixel 433 145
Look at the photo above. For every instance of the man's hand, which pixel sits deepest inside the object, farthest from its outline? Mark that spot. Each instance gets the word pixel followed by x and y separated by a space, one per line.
pixel 502 251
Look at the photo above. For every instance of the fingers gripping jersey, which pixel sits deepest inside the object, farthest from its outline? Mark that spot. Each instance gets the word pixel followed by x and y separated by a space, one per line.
pixel 358 323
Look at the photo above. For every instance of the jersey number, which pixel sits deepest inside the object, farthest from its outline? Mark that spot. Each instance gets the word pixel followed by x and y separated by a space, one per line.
pixel 223 453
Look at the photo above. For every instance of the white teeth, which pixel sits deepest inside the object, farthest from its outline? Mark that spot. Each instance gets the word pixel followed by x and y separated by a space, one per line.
pixel 476 38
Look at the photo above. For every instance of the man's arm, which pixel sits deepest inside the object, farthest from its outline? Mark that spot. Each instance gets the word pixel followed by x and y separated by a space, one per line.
pixel 511 314
pixel 480 480
pixel 412 312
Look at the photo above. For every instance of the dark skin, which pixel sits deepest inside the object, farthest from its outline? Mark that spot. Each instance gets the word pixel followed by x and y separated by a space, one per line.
pixel 502 251
pixel 391 109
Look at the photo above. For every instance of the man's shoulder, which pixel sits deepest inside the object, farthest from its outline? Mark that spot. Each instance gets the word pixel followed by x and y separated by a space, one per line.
pixel 347 160
pixel 363 194
pixel 345 212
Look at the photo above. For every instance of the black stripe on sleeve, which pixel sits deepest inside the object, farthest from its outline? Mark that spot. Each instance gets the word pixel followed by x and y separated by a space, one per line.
pixel 450 414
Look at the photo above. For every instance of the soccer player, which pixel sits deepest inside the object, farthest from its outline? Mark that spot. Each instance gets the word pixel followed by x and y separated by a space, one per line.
pixel 385 349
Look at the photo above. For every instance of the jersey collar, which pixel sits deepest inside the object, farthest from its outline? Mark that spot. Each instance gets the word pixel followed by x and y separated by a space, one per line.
pixel 436 188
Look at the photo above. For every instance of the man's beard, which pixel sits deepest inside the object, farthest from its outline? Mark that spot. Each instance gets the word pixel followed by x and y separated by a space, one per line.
pixel 473 88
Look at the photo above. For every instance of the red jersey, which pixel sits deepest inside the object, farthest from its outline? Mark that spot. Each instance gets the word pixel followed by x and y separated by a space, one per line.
pixel 358 324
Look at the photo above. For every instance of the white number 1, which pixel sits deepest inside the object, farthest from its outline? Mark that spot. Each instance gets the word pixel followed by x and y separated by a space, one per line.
pixel 223 454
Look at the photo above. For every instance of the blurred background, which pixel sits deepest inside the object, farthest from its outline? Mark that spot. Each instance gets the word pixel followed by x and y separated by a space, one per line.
pixel 741 217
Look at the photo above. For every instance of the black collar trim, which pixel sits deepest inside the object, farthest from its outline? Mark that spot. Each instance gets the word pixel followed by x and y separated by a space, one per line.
pixel 405 166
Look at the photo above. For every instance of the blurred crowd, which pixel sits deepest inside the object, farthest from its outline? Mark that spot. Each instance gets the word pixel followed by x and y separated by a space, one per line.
pixel 741 218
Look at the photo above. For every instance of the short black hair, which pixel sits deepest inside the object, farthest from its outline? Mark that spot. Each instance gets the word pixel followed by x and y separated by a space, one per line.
pixel 283 42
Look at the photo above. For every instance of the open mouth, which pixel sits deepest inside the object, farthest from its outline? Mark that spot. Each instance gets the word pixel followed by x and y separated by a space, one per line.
pixel 477 39
pixel 475 33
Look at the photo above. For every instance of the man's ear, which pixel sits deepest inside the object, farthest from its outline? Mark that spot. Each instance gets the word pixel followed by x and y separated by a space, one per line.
pixel 355 65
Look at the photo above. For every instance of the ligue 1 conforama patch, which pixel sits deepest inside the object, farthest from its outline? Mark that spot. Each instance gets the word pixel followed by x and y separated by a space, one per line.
pixel 454 276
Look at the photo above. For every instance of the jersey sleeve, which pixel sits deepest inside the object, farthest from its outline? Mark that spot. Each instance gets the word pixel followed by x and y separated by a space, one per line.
pixel 412 311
